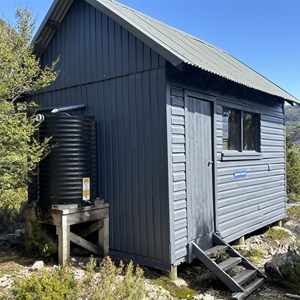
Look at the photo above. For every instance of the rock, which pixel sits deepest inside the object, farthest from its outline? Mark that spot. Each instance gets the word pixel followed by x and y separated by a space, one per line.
pixel 208 297
pixel 284 269
pixel 273 266
pixel 73 260
pixel 81 264
pixel 38 265
pixel 19 232
pixel 198 297
pixel 180 282
pixel 5 282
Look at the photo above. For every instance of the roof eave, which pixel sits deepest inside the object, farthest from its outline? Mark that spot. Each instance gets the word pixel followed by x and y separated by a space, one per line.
pixel 59 8
pixel 50 24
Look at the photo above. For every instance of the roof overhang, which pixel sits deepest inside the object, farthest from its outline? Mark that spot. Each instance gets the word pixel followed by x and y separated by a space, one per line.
pixel 143 30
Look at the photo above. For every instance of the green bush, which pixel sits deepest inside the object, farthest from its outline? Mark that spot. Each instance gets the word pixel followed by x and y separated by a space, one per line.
pixel 290 273
pixel 292 171
pixel 11 209
pixel 55 285
pixel 110 283
pixel 42 244
pixel 254 255
pixel 279 234
pixel 294 212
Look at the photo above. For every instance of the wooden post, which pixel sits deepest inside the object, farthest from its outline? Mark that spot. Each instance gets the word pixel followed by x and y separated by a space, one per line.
pixel 28 232
pixel 63 217
pixel 172 274
pixel 103 238
pixel 279 223
pixel 241 240
pixel 63 232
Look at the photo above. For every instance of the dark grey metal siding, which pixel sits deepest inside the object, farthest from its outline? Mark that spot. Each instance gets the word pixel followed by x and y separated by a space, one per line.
pixel 123 84
pixel 249 203
pixel 92 47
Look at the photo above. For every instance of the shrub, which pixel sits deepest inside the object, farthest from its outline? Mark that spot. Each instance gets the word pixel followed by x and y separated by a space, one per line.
pixel 110 283
pixel 294 212
pixel 42 244
pixel 292 171
pixel 279 234
pixel 55 285
pixel 254 255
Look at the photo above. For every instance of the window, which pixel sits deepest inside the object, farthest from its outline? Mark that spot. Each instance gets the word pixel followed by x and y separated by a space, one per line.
pixel 241 130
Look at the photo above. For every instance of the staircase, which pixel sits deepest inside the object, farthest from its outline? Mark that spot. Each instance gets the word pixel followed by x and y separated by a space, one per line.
pixel 233 270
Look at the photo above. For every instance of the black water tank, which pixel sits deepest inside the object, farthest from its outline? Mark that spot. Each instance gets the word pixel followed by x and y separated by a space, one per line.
pixel 71 161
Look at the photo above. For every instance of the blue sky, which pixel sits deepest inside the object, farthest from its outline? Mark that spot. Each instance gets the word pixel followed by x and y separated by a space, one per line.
pixel 264 34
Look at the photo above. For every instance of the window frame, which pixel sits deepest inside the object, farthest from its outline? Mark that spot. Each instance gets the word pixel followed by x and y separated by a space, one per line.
pixel 240 153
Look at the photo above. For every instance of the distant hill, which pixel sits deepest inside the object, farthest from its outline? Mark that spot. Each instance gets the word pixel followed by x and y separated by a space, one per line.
pixel 292 120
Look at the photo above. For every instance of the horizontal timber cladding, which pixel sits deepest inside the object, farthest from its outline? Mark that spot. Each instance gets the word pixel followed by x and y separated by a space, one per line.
pixel 178 175
pixel 258 199
pixel 122 82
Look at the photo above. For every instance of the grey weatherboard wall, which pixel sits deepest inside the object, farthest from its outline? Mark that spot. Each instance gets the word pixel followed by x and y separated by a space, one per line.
pixel 241 205
pixel 122 82
pixel 147 135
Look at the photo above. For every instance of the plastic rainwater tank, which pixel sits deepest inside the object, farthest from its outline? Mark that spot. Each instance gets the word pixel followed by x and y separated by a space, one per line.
pixel 68 174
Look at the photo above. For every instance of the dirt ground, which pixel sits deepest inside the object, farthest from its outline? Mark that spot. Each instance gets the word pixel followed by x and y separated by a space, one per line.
pixel 14 264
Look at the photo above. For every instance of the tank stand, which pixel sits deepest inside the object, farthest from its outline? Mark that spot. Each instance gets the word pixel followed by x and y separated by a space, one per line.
pixel 63 217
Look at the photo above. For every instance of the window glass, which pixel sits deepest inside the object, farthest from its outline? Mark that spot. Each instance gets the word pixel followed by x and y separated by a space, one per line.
pixel 230 129
pixel 241 130
pixel 248 131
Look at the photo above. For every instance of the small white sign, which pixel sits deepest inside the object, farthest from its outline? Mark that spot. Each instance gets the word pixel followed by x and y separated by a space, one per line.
pixel 86 195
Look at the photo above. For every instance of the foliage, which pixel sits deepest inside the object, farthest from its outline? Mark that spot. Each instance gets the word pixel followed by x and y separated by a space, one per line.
pixel 60 283
pixel 21 75
pixel 278 234
pixel 254 255
pixel 11 218
pixel 49 285
pixel 292 119
pixel 179 292
pixel 294 212
pixel 292 170
pixel 289 273
pixel 42 244
pixel 109 285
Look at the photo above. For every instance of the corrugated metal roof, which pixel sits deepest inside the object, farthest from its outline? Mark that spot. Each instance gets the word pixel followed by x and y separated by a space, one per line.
pixel 175 45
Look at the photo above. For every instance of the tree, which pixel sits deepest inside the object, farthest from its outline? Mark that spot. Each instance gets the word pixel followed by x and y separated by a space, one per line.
pixel 21 75
pixel 292 170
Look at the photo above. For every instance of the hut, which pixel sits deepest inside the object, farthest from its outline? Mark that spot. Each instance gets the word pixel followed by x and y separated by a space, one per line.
pixel 191 141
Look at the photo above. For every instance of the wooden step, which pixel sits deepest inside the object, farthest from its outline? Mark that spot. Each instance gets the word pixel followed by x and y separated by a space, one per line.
pixel 244 276
pixel 250 288
pixel 216 250
pixel 229 263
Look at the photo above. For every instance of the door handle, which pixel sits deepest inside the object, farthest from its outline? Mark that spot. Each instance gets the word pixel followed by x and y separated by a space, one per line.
pixel 210 162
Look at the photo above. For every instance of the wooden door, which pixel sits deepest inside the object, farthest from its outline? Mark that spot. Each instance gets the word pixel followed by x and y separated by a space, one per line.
pixel 199 152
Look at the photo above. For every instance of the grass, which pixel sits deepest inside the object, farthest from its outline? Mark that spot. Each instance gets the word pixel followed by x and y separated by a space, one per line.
pixel 182 292
pixel 276 234
pixel 254 255
pixel 9 268
pixel 294 212
pixel 12 263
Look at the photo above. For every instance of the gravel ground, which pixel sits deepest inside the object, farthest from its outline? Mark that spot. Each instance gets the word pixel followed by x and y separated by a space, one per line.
pixel 14 265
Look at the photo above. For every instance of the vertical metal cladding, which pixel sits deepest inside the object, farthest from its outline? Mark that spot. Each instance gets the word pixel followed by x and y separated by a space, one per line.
pixel 72 158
